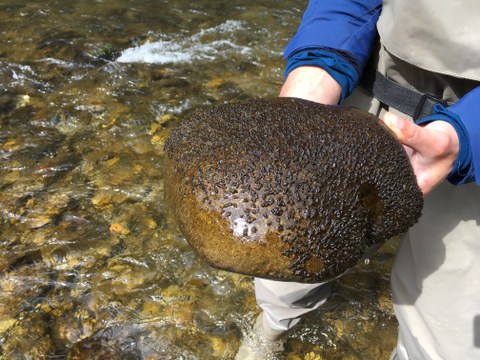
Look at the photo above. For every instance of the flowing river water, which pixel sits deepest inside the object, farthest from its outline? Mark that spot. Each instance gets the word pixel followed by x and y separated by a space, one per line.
pixel 91 265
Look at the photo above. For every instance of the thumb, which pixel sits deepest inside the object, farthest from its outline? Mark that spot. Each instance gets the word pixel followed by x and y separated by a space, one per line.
pixel 407 133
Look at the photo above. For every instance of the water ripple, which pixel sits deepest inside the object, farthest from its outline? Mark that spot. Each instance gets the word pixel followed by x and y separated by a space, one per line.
pixel 199 47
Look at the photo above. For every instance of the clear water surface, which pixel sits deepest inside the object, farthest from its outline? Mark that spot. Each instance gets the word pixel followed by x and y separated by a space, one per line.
pixel 91 265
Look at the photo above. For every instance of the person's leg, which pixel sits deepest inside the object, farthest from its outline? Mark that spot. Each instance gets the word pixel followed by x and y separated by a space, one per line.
pixel 283 303
pixel 436 278
pixel 436 274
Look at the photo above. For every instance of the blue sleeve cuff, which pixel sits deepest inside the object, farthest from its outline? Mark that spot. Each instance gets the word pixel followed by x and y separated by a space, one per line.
pixel 344 25
pixel 468 110
pixel 463 170
pixel 332 62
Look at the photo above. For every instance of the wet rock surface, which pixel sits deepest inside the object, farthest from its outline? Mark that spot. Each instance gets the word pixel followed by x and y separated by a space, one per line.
pixel 286 188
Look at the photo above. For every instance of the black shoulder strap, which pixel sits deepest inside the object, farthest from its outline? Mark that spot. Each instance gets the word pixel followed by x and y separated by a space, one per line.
pixel 406 100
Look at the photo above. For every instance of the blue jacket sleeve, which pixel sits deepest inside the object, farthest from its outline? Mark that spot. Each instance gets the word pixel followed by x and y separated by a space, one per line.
pixel 332 62
pixel 336 36
pixel 347 26
pixel 464 117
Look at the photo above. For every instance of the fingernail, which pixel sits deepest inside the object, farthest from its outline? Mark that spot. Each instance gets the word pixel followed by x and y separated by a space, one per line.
pixel 395 121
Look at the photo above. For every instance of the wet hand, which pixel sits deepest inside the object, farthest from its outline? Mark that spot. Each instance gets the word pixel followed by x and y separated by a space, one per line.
pixel 432 148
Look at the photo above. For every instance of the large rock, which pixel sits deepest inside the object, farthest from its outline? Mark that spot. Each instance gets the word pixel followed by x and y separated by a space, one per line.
pixel 287 189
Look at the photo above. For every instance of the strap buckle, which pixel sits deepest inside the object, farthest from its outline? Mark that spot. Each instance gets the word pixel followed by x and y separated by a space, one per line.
pixel 425 106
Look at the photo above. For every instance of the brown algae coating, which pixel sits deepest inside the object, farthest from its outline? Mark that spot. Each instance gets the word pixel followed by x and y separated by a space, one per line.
pixel 287 189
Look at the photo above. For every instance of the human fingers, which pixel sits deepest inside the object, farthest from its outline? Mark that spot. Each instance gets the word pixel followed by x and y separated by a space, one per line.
pixel 409 134
pixel 432 148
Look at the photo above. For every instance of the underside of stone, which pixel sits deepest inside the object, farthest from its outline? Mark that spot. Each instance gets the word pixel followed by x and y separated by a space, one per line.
pixel 287 189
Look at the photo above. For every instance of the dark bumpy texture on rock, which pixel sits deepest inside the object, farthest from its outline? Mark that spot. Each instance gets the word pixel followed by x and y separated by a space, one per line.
pixel 287 189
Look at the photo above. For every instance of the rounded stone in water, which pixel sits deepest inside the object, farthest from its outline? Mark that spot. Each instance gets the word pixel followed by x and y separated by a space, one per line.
pixel 287 189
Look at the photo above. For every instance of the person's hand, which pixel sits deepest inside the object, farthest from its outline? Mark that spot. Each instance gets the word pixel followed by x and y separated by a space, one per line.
pixel 432 148
pixel 312 83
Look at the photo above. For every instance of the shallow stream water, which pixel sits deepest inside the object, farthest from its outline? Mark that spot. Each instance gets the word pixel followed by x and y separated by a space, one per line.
pixel 91 265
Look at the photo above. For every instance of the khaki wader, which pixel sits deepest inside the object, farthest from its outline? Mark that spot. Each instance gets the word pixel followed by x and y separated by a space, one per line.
pixel 436 274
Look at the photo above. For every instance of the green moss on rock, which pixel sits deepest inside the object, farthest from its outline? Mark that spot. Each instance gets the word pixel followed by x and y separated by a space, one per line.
pixel 287 189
